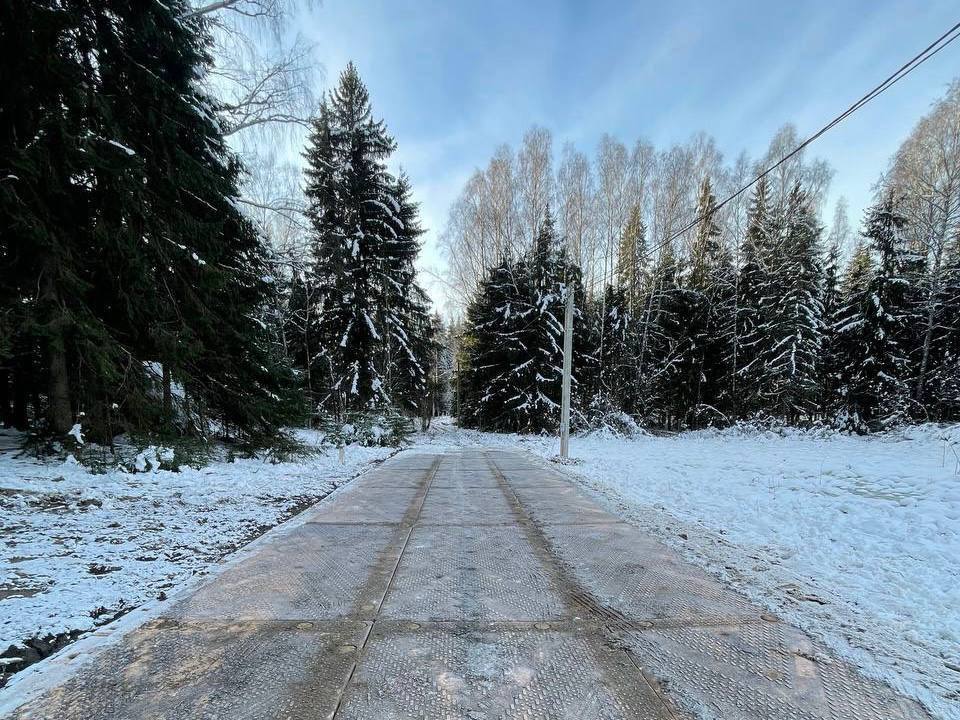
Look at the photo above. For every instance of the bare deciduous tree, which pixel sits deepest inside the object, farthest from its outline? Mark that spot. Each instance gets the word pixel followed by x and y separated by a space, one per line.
pixel 575 199
pixel 535 181
pixel 815 175
pixel 616 194
pixel 502 203
pixel 840 230
pixel 501 206
pixel 925 178
pixel 484 225
pixel 263 78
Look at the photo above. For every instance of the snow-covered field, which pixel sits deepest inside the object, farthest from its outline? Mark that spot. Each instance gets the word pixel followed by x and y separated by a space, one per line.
pixel 78 548
pixel 857 540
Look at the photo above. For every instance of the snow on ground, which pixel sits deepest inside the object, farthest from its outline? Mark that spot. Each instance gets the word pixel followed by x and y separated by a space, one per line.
pixel 79 547
pixel 854 539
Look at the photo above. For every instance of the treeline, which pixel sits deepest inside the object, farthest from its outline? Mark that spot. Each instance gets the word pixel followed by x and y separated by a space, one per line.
pixel 764 316
pixel 135 294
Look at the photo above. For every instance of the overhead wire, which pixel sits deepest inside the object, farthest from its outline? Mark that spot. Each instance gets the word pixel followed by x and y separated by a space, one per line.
pixel 916 61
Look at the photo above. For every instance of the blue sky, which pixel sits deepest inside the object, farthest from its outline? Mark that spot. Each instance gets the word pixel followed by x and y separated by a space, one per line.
pixel 455 79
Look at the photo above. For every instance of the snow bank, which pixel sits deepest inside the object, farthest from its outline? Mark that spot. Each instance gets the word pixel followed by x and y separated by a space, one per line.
pixel 79 547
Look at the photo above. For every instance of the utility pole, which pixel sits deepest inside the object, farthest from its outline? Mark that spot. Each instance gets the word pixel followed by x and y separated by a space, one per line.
pixel 459 414
pixel 567 369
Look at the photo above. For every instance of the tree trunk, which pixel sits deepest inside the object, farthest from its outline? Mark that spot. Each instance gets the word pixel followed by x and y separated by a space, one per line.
pixel 20 395
pixel 187 412
pixel 167 399
pixel 930 324
pixel 925 358
pixel 58 380
pixel 6 409
pixel 59 413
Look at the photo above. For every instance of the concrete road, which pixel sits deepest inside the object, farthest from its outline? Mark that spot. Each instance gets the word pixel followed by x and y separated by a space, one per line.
pixel 464 585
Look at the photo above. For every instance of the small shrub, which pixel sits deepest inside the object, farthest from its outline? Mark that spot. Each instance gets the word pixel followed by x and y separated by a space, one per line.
pixel 373 428
pixel 604 415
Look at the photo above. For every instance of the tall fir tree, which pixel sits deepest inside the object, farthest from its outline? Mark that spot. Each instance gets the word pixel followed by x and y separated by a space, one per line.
pixel 709 281
pixel 619 390
pixel 872 382
pixel 718 393
pixel 706 242
pixel 46 167
pixel 794 330
pixel 667 351
pixel 943 384
pixel 632 258
pixel 514 339
pixel 142 273
pixel 548 269
pixel 747 357
pixel 832 360
pixel 495 356
pixel 403 308
pixel 366 231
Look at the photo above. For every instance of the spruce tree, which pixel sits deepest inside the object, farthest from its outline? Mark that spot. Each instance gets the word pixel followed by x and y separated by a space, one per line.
pixel 403 307
pixel 495 357
pixel 794 330
pixel 514 341
pixel 45 220
pixel 719 374
pixel 666 355
pixel 706 242
pixel 211 268
pixel 747 357
pixel 872 383
pixel 141 273
pixel 850 332
pixel 943 384
pixel 350 206
pixel 539 381
pixel 632 258
pixel 619 377
pixel 709 284
pixel 833 360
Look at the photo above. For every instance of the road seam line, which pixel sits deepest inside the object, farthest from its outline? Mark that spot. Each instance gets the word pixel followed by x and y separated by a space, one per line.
pixel 431 474
pixel 572 587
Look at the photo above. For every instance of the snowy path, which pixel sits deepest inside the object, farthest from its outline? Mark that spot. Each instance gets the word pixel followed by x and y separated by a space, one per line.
pixel 468 584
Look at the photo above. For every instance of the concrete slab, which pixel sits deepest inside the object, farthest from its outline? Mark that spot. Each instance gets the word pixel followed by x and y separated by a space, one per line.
pixel 560 504
pixel 416 459
pixel 306 575
pixel 498 671
pixel 473 573
pixel 640 579
pixel 762 671
pixel 466 478
pixel 466 506
pixel 464 463
pixel 171 670
pixel 369 504
pixel 390 477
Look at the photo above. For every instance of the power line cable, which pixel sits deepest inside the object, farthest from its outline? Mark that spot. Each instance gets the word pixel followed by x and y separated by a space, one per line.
pixel 916 61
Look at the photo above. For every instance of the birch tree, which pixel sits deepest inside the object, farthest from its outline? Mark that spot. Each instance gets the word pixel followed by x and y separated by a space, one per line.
pixel 925 174
pixel 575 198
pixel 535 181
pixel 262 76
